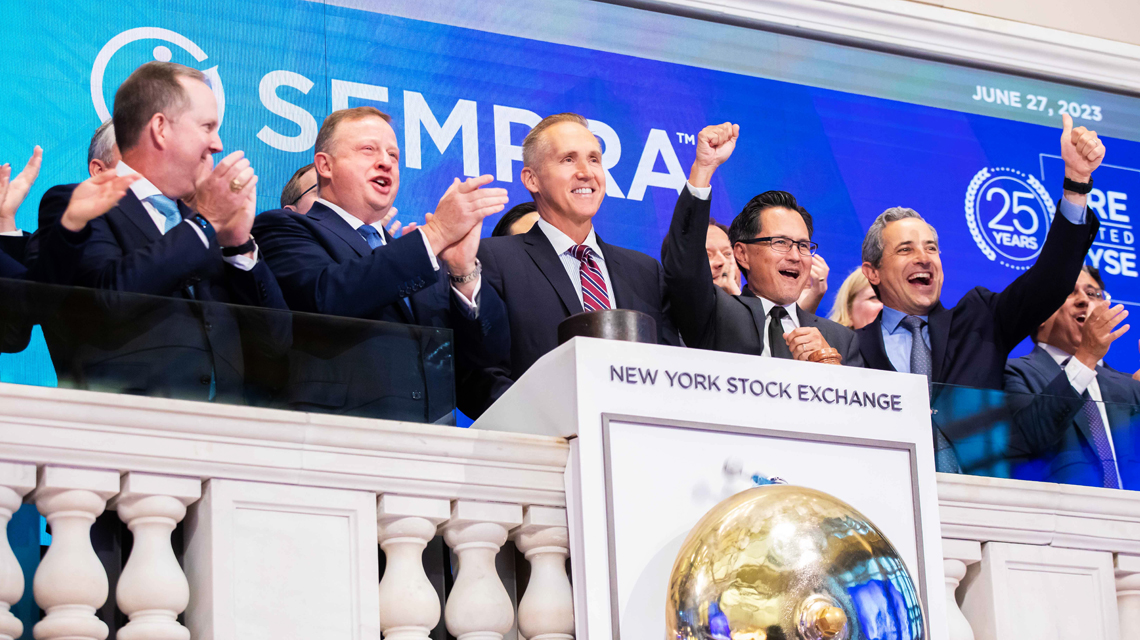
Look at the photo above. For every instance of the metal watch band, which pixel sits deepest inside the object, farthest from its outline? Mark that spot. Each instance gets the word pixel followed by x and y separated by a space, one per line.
pixel 470 277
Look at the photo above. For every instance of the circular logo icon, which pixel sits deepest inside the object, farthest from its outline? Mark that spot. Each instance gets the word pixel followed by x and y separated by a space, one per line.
pixel 1009 213
pixel 161 52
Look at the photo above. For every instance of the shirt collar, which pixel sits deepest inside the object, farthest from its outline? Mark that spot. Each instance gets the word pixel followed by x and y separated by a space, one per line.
pixel 142 187
pixel 892 318
pixel 1060 356
pixel 352 220
pixel 791 309
pixel 562 242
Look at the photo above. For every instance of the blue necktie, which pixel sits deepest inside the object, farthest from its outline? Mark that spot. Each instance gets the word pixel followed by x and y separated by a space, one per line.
pixel 374 239
pixel 1099 438
pixel 922 363
pixel 371 235
pixel 168 208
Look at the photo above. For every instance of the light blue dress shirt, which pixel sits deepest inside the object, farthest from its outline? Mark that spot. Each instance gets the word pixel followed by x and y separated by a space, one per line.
pixel 897 340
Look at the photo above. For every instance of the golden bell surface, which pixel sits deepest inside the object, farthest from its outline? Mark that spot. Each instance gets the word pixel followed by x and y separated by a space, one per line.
pixel 782 562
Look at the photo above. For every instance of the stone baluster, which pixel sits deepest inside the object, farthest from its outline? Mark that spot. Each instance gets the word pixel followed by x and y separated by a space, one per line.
pixel 409 604
pixel 479 607
pixel 16 480
pixel 1127 568
pixel 546 611
pixel 152 589
pixel 70 583
pixel 956 556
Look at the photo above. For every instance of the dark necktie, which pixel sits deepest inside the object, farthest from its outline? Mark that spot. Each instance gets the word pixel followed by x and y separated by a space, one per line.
pixel 1099 438
pixel 921 362
pixel 595 295
pixel 372 237
pixel 776 343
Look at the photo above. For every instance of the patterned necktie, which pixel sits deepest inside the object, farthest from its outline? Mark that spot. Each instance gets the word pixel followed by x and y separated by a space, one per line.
pixel 776 344
pixel 1099 438
pixel 168 208
pixel 945 459
pixel 371 235
pixel 595 296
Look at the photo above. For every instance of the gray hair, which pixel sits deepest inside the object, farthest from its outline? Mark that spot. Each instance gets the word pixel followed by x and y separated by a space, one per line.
pixel 873 242
pixel 101 143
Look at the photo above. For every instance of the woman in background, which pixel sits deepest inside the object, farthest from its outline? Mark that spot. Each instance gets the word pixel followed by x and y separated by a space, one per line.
pixel 856 304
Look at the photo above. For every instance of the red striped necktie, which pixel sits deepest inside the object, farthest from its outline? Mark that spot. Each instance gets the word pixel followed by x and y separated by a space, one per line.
pixel 595 296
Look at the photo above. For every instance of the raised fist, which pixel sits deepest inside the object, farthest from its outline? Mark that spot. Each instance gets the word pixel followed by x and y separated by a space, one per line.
pixel 715 144
pixel 1081 150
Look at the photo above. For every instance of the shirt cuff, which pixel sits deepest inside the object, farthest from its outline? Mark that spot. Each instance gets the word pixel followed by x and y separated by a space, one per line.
pixel 242 261
pixel 431 253
pixel 700 193
pixel 470 308
pixel 201 234
pixel 1080 376
pixel 1074 213
pixel 12 234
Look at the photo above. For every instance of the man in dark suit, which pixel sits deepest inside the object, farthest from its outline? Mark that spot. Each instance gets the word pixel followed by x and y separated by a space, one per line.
pixel 561 267
pixel 338 259
pixel 1079 429
pixel 151 242
pixel 771 241
pixel 968 344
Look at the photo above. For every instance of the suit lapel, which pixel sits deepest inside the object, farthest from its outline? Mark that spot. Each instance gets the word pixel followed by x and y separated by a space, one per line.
pixel 134 211
pixel 548 262
pixel 872 346
pixel 328 219
pixel 759 318
pixel 1048 368
pixel 806 319
pixel 620 296
pixel 939 320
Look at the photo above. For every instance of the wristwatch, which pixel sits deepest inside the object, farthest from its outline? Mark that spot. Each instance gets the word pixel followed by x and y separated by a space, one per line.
pixel 470 277
pixel 1078 187
pixel 245 247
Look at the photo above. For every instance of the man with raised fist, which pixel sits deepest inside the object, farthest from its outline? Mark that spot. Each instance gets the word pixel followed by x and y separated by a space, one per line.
pixel 771 241
pixel 338 259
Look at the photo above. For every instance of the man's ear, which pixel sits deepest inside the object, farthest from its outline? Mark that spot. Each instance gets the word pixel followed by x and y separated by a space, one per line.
pixel 159 130
pixel 529 179
pixel 741 257
pixel 871 273
pixel 291 208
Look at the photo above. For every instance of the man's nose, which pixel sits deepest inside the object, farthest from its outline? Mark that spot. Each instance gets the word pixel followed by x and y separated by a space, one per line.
pixel 215 143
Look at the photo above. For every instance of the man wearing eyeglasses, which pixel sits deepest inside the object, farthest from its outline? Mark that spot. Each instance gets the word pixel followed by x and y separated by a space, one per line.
pixel 1078 429
pixel 300 192
pixel 772 244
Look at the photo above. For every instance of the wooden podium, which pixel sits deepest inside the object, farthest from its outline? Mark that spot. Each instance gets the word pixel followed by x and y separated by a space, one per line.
pixel 661 434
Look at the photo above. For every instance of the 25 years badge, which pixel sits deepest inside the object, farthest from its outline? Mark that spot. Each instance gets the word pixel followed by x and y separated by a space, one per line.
pixel 1009 213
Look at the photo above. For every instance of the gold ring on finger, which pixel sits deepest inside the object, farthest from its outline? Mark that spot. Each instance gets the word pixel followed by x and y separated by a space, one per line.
pixel 236 185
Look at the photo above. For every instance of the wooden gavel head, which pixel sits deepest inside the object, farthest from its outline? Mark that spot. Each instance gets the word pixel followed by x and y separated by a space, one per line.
pixel 826 356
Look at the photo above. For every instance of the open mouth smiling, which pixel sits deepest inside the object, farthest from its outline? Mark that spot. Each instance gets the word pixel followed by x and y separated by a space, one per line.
pixel 922 278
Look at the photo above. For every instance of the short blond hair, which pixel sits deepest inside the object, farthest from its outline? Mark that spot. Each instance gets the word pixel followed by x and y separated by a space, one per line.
pixel 327 133
pixel 534 145
pixel 841 308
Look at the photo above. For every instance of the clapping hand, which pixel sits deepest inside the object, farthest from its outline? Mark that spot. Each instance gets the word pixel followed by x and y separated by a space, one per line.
pixel 227 199
pixel 462 206
pixel 14 190
pixel 1099 331
pixel 94 197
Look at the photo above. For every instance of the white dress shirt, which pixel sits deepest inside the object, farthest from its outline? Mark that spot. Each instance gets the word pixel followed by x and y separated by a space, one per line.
pixel 791 322
pixel 1082 379
pixel 356 223
pixel 563 244
pixel 144 189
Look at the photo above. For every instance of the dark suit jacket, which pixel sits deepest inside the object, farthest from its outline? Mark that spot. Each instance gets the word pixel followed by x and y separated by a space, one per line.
pixel 970 342
pixel 326 267
pixel 168 347
pixel 1050 438
pixel 708 316
pixel 538 293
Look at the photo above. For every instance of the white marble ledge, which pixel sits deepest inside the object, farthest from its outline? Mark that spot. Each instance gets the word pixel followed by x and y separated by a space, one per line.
pixel 156 435
pixel 998 510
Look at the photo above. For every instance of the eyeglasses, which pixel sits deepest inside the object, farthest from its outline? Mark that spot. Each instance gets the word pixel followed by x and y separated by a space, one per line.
pixel 298 198
pixel 783 244
pixel 1093 293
